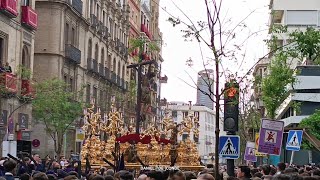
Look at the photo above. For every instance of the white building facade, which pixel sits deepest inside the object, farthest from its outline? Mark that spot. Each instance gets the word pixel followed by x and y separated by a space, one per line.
pixel 298 15
pixel 206 137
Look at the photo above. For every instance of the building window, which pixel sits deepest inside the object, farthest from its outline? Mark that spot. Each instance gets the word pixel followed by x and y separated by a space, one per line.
pixel 119 69
pixel 109 61
pixel 185 114
pixel 111 28
pixel 71 84
pixel 114 65
pixel 102 100
pixel 25 3
pixel 304 18
pixel 123 71
pixel 66 33
pixel 102 56
pixel 90 48
pixel 25 62
pixel 95 94
pixel 174 114
pixel 73 34
pixel 91 7
pixel 88 93
pixel 2 49
pixel 97 11
pixel 96 52
pixel 104 18
pixel 65 79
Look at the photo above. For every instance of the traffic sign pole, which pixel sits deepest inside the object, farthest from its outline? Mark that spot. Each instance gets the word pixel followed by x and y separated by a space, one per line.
pixel 230 162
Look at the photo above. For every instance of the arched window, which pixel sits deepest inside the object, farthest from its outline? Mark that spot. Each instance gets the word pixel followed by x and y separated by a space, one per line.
pixel 119 68
pixel 123 71
pixel 114 65
pixel 96 52
pixel 102 56
pixel 90 48
pixel 25 62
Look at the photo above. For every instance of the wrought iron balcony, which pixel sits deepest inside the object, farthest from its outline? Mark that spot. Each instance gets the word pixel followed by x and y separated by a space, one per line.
pixel 114 78
pixel 77 5
pixel 9 82
pixel 101 70
pixel 90 64
pixel 95 66
pixel 73 54
pixel 29 17
pixel 9 7
pixel 107 73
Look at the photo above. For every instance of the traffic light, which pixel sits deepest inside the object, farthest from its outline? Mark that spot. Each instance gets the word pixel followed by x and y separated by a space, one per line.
pixel 231 106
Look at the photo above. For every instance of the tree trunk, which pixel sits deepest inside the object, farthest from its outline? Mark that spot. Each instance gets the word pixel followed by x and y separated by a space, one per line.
pixel 217 130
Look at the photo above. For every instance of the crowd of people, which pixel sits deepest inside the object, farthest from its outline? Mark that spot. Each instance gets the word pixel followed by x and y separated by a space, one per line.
pixel 35 168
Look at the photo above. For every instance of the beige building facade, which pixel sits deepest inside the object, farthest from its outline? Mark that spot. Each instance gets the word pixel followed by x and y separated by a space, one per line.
pixel 18 24
pixel 85 44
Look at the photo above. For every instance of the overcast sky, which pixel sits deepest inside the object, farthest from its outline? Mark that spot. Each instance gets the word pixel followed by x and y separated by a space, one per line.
pixel 176 50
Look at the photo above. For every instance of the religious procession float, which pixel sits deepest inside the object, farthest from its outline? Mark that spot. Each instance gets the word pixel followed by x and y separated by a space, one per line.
pixel 111 143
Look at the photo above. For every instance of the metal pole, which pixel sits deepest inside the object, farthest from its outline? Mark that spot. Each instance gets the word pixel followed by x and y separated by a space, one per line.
pixel 230 162
pixel 292 156
pixel 138 108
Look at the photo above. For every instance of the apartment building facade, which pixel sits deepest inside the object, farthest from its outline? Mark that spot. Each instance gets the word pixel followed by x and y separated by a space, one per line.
pixel 18 25
pixel 297 15
pixel 86 43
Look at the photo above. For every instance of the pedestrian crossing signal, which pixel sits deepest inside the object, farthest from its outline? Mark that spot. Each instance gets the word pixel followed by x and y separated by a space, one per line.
pixel 294 140
pixel 229 147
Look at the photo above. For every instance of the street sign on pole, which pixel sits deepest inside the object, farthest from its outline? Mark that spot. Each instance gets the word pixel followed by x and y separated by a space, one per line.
pixel 249 154
pixel 294 140
pixel 229 147
pixel 271 133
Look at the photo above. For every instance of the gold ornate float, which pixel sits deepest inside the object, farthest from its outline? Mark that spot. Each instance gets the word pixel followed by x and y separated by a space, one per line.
pixel 108 138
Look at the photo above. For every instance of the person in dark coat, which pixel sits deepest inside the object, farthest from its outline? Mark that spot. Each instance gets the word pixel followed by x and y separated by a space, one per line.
pixel 9 167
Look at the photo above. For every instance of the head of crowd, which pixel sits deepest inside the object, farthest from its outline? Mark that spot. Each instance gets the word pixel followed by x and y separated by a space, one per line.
pixel 35 168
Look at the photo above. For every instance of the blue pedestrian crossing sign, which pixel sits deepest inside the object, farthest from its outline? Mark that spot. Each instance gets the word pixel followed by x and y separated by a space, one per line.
pixel 294 140
pixel 229 147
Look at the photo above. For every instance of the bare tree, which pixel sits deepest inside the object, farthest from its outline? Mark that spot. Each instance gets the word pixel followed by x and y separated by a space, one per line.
pixel 223 45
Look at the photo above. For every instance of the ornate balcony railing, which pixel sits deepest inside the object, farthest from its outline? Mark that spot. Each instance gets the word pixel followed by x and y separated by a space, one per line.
pixel 9 7
pixel 29 17
pixel 8 82
pixel 73 54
